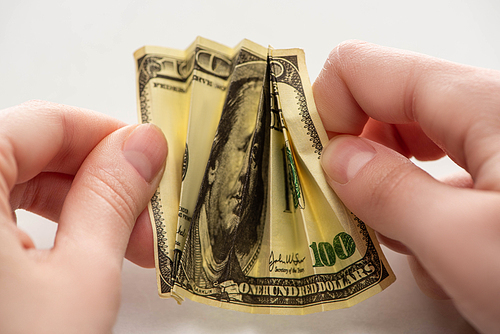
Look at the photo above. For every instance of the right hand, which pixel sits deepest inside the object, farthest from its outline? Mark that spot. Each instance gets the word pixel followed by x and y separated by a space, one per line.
pixel 391 105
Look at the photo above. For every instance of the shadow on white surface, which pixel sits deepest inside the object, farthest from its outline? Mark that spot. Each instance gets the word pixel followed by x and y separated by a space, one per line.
pixel 402 308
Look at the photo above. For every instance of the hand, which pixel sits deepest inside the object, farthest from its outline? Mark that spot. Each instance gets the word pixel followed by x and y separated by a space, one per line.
pixel 93 176
pixel 391 105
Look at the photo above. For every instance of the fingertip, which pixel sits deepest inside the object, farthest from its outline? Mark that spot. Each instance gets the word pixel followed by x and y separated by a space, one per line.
pixel 460 179
pixel 333 98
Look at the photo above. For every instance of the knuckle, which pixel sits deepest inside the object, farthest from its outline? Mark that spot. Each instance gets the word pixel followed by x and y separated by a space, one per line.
pixel 346 51
pixel 35 104
pixel 347 47
pixel 119 196
pixel 8 165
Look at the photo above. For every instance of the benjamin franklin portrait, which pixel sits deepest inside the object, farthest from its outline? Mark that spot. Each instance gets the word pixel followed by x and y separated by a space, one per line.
pixel 229 218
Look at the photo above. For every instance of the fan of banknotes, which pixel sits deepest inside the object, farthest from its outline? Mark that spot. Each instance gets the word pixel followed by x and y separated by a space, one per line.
pixel 243 218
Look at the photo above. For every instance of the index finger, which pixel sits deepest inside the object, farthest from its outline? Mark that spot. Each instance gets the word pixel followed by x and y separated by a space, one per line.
pixel 39 136
pixel 50 137
pixel 455 105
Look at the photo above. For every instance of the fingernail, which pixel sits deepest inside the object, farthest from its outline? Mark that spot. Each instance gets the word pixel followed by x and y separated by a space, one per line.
pixel 345 156
pixel 146 150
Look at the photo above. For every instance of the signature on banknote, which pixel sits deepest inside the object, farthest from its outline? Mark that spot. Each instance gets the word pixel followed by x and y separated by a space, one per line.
pixel 288 259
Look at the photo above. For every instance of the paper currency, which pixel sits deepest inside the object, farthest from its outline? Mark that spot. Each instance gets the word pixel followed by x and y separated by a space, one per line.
pixel 243 218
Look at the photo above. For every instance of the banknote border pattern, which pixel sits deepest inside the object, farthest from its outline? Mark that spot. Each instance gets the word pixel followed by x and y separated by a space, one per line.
pixel 292 78
pixel 165 263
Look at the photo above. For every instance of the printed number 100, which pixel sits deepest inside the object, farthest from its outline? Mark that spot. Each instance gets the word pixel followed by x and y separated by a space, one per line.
pixel 325 253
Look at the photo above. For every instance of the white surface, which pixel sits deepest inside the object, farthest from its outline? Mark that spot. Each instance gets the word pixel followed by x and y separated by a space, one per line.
pixel 80 53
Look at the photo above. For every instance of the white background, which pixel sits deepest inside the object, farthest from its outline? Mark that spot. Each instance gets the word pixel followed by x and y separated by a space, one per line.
pixel 80 53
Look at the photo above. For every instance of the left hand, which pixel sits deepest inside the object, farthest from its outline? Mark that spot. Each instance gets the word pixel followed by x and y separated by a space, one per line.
pixel 92 175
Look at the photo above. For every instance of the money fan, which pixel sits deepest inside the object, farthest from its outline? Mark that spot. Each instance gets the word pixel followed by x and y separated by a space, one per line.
pixel 243 218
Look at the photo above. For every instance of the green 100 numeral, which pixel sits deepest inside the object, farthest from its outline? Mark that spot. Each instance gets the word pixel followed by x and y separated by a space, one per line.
pixel 325 253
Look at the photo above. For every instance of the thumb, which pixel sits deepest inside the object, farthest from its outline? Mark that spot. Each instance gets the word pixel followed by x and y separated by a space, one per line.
pixel 378 184
pixel 451 231
pixel 110 190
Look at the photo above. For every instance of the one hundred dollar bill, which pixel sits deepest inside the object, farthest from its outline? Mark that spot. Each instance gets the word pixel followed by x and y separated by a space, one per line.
pixel 171 85
pixel 244 218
